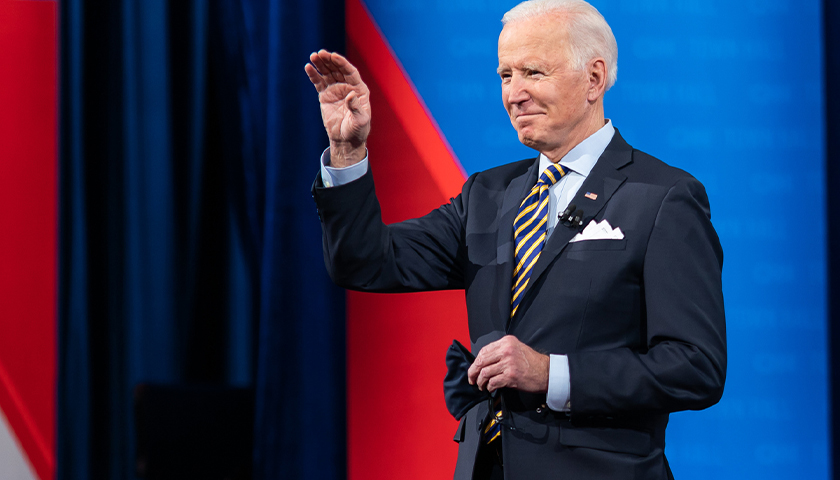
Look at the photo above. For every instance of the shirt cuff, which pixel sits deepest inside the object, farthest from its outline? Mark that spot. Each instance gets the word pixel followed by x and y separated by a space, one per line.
pixel 335 177
pixel 559 388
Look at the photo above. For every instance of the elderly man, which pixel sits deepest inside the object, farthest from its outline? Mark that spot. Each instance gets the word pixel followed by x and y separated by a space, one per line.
pixel 592 272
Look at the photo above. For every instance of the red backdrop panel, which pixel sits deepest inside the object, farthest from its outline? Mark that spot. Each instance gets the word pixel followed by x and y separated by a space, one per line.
pixel 28 226
pixel 398 425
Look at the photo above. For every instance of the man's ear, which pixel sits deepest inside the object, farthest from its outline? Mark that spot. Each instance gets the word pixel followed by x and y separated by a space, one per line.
pixel 597 70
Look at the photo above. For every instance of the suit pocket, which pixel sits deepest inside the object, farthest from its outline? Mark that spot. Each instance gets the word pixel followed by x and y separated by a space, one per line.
pixel 597 245
pixel 608 439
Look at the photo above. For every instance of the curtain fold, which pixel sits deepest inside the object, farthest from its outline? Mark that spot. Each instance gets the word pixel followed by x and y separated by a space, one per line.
pixel 300 411
pixel 831 15
pixel 190 248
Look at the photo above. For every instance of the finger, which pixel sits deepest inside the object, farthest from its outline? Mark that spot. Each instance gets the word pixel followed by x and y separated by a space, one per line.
pixel 486 356
pixel 326 56
pixel 334 64
pixel 330 69
pixel 313 57
pixel 335 68
pixel 342 67
pixel 324 65
pixel 472 373
pixel 481 381
pixel 497 382
pixel 349 72
pixel 487 374
pixel 315 78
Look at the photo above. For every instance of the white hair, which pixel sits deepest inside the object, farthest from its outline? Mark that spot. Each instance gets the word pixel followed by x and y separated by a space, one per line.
pixel 589 34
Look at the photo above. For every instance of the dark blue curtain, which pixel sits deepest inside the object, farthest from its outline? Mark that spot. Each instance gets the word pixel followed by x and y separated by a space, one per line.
pixel 300 422
pixel 831 18
pixel 190 249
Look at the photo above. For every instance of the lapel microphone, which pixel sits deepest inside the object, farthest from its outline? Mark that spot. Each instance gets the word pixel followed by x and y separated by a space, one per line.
pixel 571 217
pixel 577 220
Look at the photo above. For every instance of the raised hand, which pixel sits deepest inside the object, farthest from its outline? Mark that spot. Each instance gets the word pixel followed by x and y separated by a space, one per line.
pixel 345 105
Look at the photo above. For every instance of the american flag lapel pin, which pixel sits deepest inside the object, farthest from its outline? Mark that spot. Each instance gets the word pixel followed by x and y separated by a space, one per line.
pixel 591 196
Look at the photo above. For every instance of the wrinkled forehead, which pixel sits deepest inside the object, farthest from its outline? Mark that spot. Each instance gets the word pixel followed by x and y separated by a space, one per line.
pixel 542 37
pixel 554 24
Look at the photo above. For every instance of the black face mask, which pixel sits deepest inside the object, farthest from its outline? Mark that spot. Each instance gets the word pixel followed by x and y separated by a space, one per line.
pixel 459 394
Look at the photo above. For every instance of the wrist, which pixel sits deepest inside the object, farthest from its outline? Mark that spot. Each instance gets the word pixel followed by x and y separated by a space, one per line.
pixel 546 372
pixel 345 154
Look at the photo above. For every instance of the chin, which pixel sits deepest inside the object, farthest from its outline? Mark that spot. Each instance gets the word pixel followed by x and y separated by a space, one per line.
pixel 529 142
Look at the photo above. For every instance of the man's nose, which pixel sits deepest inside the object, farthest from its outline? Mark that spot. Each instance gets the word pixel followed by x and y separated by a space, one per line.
pixel 517 91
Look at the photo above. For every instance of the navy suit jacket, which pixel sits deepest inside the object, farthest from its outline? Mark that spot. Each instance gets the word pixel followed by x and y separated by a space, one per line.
pixel 641 319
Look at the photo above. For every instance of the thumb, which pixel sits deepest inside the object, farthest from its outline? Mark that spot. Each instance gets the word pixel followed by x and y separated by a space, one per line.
pixel 352 102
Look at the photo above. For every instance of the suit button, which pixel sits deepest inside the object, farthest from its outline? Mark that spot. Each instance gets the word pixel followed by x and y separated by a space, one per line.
pixel 541 408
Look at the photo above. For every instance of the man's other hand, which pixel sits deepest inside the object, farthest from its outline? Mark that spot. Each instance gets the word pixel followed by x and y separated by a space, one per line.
pixel 510 363
pixel 345 106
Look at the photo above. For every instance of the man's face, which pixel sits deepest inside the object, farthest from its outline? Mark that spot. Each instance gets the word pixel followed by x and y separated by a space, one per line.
pixel 545 98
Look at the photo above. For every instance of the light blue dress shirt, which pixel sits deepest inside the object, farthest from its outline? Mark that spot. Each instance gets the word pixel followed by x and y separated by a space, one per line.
pixel 579 162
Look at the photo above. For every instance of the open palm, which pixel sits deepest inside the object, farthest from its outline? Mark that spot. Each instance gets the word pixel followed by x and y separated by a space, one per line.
pixel 345 105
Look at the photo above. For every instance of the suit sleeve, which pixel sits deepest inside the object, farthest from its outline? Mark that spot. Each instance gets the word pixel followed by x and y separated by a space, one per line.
pixel 362 253
pixel 683 362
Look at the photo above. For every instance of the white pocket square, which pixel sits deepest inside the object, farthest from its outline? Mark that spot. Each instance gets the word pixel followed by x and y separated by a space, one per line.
pixel 598 231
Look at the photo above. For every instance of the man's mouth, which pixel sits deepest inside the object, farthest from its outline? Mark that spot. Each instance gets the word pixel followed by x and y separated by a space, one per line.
pixel 527 114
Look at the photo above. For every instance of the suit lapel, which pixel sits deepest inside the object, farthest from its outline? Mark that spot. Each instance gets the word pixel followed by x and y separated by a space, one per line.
pixel 516 190
pixel 603 181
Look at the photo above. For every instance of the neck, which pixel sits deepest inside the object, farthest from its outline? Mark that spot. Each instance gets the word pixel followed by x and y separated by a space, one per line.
pixel 584 131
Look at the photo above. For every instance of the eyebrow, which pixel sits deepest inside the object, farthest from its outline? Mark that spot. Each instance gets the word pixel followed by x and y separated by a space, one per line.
pixel 533 67
pixel 526 67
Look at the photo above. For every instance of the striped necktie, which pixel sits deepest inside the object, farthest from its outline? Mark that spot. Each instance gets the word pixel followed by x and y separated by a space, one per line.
pixel 529 230
pixel 494 426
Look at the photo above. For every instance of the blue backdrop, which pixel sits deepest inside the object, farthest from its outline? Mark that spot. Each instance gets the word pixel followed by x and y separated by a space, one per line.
pixel 733 93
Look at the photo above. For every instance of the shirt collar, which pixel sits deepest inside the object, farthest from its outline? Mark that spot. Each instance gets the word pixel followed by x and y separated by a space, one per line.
pixel 582 158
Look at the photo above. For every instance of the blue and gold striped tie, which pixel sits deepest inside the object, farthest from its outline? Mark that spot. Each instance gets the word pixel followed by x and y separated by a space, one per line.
pixel 494 426
pixel 529 230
